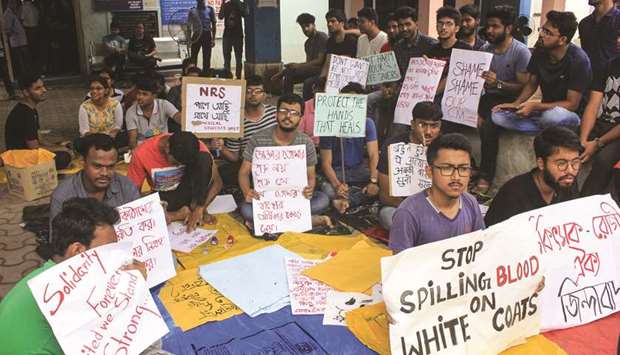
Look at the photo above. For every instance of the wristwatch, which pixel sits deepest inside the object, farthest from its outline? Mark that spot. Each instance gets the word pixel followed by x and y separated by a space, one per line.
pixel 499 84
pixel 373 180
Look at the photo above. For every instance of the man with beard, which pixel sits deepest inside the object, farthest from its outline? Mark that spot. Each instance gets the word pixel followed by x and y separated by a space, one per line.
pixel 563 73
pixel 314 47
pixel 598 33
pixel 503 83
pixel 470 21
pixel 553 180
pixel 445 209
pixel 393 33
pixel 412 43
pixel 425 128
pixel 285 133
pixel 98 178
pixel 339 42
pixel 372 38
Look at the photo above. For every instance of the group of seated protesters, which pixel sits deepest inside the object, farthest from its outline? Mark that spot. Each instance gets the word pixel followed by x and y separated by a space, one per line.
pixel 569 131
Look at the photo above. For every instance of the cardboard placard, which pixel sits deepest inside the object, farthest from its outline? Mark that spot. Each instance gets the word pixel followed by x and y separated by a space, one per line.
pixel 383 68
pixel 407 169
pixel 420 84
pixel 213 108
pixel 340 115
pixel 344 70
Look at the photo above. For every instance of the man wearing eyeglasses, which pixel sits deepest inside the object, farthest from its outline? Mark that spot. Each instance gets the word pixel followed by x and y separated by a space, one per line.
pixel 425 128
pixel 258 116
pixel 553 180
pixel 563 73
pixel 445 209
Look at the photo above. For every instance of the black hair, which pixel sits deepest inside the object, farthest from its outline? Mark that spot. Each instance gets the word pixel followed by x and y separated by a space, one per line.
pixel 352 23
pixel 114 25
pixel 368 13
pixel 454 141
pixel 100 80
pixel 77 222
pixel 147 83
pixel 471 10
pixel 254 80
pixel 99 141
pixel 505 14
pixel 336 13
pixel 305 19
pixel 291 99
pixel 449 11
pixel 27 80
pixel 185 64
pixel 107 70
pixel 352 88
pixel 405 12
pixel 565 22
pixel 427 110
pixel 551 139
pixel 392 17
pixel 193 70
pixel 184 147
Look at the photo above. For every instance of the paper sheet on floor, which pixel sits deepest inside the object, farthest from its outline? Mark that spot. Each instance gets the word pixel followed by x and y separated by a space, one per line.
pixel 339 303
pixel 307 296
pixel 185 242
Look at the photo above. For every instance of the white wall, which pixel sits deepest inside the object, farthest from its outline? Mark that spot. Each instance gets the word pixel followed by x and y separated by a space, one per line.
pixel 292 37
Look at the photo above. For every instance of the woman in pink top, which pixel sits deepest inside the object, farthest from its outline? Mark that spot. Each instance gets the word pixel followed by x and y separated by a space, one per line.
pixel 307 122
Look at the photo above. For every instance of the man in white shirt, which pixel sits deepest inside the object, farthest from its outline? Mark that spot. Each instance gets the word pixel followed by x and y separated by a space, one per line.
pixel 372 38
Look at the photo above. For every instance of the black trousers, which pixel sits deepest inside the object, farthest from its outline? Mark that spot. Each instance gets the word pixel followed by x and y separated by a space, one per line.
pixel 602 162
pixel 204 41
pixel 228 44
pixel 194 185
pixel 142 60
pixel 21 61
pixel 8 85
pixel 489 135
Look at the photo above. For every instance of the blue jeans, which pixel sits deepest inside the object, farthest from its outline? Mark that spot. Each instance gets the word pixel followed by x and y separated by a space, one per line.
pixel 318 204
pixel 537 121
pixel 359 174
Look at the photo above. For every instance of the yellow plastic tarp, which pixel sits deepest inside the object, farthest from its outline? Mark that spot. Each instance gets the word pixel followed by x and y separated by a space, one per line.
pixel 26 158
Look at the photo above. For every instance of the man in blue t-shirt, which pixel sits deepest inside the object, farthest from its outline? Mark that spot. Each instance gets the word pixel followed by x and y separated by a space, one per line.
pixel 202 23
pixel 359 182
pixel 563 72
pixel 445 209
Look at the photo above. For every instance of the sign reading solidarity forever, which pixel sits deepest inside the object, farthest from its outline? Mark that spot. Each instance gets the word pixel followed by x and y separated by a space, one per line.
pixel 280 175
pixel 340 115
pixel 407 168
pixel 463 299
pixel 579 251
pixel 144 223
pixel 213 107
pixel 420 84
pixel 95 307
pixel 464 86
pixel 383 68
pixel 344 70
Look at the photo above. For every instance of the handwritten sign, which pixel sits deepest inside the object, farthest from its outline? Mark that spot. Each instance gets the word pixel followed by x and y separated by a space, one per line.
pixel 144 223
pixel 280 167
pixel 382 68
pixel 407 169
pixel 344 70
pixel 463 299
pixel 280 175
pixel 420 84
pixel 94 307
pixel 308 296
pixel 339 303
pixel 213 107
pixel 464 86
pixel 191 301
pixel 342 115
pixel 580 253
pixel 185 242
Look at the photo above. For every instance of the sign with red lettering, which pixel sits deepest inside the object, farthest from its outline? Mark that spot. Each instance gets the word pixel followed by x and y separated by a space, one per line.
pixel 579 250
pixel 144 223
pixel 463 298
pixel 420 84
pixel 280 175
pixel 95 307
pixel 213 107
pixel 464 86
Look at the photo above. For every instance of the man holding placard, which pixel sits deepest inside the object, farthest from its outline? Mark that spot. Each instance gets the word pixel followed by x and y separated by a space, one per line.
pixel 285 133
pixel 563 73
pixel 81 225
pixel 372 38
pixel 445 209
pixel 425 127
pixel 412 42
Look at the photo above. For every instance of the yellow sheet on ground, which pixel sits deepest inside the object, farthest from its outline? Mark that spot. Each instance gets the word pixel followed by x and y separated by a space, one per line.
pixel 317 246
pixel 191 301
pixel 370 326
pixel 353 270
pixel 75 167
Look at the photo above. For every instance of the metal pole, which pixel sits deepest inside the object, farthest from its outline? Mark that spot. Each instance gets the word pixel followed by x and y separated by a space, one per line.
pixel 344 177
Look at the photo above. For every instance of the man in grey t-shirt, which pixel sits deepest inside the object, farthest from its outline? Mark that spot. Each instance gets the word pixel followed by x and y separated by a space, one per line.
pixel 289 112
pixel 503 83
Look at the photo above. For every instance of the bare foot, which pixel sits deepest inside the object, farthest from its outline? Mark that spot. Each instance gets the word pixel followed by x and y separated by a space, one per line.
pixel 341 205
pixel 179 215
pixel 322 221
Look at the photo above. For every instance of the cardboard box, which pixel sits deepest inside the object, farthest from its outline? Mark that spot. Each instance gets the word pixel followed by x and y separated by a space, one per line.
pixel 33 182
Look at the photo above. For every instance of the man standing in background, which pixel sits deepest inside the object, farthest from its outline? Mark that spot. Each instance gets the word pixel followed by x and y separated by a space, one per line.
pixel 233 12
pixel 202 17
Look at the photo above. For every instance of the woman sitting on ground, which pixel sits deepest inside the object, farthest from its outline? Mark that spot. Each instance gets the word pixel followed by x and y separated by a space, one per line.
pixel 100 113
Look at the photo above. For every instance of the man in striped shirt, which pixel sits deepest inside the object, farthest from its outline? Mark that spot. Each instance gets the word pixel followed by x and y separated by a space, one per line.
pixel 258 116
